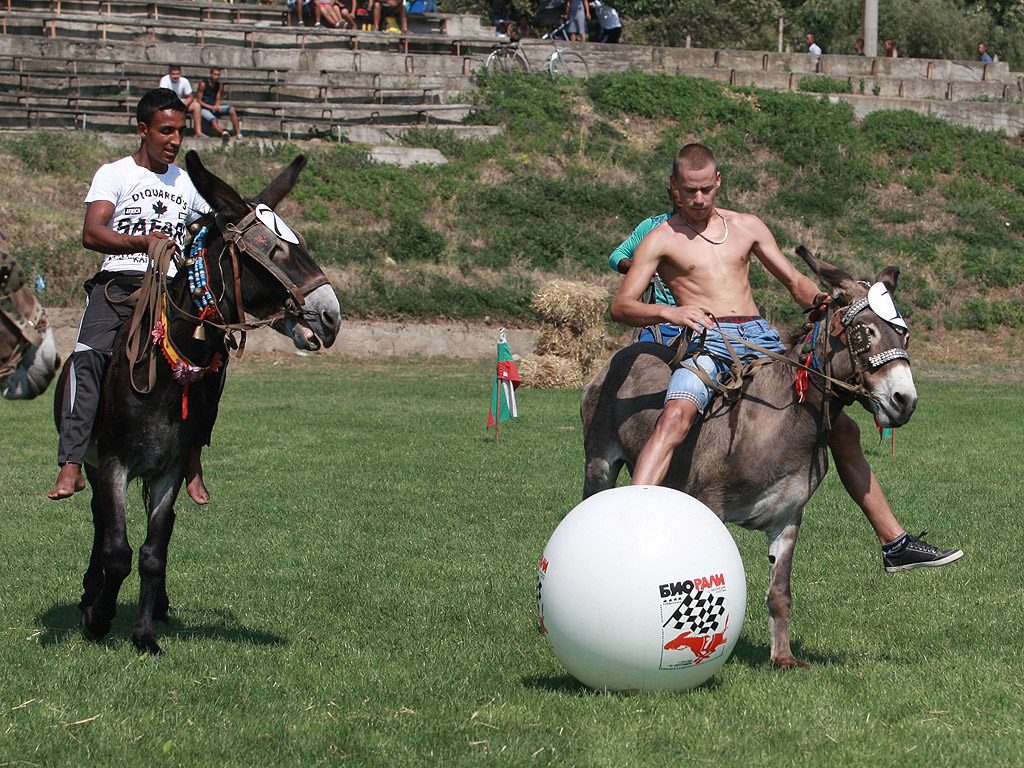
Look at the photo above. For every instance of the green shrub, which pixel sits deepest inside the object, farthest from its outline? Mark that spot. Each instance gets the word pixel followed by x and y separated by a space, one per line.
pixel 409 239
pixel 823 84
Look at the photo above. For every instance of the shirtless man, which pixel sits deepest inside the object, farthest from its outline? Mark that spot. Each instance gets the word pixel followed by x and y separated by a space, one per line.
pixel 702 253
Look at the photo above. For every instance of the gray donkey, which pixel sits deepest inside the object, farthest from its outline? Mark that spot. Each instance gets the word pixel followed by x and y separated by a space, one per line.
pixel 756 461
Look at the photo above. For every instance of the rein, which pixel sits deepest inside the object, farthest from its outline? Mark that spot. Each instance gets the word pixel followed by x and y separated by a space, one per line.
pixel 730 383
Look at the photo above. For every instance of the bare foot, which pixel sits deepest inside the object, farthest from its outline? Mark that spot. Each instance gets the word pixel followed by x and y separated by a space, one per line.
pixel 70 480
pixel 194 477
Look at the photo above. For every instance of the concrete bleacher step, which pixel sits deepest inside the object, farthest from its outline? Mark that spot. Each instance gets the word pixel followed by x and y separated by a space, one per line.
pixel 264 35
pixel 265 62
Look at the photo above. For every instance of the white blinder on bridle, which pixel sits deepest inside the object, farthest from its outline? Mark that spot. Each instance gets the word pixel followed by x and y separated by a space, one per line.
pixel 275 224
pixel 881 303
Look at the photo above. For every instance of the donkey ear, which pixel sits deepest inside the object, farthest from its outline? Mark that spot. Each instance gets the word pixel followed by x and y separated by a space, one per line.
pixel 276 190
pixel 888 278
pixel 219 194
pixel 832 276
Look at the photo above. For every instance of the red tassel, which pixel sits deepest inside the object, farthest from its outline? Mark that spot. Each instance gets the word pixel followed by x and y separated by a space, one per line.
pixel 879 427
pixel 184 402
pixel 802 378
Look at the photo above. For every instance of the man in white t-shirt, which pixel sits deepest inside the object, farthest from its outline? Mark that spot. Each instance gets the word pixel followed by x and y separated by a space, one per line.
pixel 131 203
pixel 812 47
pixel 183 90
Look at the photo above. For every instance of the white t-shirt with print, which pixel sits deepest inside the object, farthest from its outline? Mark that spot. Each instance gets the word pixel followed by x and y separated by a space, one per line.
pixel 181 90
pixel 145 202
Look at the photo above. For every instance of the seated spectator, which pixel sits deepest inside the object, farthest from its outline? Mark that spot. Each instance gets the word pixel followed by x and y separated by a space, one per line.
pixel 858 46
pixel 983 53
pixel 389 9
pixel 500 15
pixel 334 14
pixel 812 47
pixel 300 10
pixel 363 16
pixel 522 29
pixel 608 18
pixel 211 106
pixel 183 90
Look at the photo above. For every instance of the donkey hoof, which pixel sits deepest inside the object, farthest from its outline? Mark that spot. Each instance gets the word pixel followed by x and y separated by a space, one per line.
pixel 146 641
pixel 93 629
pixel 790 662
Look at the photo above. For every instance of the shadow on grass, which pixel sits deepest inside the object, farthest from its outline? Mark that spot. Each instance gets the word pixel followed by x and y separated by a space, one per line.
pixel 759 655
pixel 61 622
pixel 569 684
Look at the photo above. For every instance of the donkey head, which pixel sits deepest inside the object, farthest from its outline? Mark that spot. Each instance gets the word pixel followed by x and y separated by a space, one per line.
pixel 28 352
pixel 869 340
pixel 275 271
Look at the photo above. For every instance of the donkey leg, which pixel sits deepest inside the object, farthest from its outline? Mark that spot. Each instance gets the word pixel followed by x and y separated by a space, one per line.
pixel 153 562
pixel 600 474
pixel 92 582
pixel 781 544
pixel 109 488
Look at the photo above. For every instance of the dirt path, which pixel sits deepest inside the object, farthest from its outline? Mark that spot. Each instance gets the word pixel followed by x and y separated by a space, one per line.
pixel 359 338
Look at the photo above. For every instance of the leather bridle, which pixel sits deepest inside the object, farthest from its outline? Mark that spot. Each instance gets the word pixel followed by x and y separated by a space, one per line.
pixel 256 240
pixel 249 237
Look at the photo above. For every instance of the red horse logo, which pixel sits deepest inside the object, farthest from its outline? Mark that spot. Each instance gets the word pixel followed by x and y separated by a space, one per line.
pixel 702 647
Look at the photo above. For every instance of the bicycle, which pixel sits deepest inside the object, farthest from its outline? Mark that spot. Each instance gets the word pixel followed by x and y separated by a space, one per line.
pixel 563 62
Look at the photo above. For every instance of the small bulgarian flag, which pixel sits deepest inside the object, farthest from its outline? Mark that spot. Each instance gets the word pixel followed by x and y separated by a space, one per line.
pixel 506 381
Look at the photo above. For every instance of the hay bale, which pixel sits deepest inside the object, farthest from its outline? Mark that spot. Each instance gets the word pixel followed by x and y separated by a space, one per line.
pixel 583 347
pixel 550 372
pixel 576 305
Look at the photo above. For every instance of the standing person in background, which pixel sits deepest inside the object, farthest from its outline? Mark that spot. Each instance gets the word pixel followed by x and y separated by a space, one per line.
pixel 858 46
pixel 608 18
pixel 890 50
pixel 211 107
pixel 983 53
pixel 579 14
pixel 812 47
pixel 182 88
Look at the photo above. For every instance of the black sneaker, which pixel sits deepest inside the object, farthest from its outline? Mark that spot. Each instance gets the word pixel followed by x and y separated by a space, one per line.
pixel 918 553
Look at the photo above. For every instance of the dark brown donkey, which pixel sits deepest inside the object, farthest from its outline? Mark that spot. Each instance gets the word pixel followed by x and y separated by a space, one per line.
pixel 252 263
pixel 28 352
pixel 757 461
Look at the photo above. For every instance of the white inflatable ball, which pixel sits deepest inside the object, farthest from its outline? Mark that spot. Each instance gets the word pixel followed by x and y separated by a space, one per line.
pixel 641 588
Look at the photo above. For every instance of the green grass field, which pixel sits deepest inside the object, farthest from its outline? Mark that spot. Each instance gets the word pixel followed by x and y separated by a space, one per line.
pixel 362 592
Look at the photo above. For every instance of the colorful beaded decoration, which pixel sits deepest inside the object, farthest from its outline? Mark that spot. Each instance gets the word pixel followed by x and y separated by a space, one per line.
pixel 198 284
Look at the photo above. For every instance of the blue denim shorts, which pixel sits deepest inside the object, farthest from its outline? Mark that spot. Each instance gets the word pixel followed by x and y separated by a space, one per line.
pixel 686 385
pixel 668 332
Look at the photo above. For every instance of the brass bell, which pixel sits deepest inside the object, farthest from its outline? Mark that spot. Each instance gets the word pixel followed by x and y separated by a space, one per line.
pixel 199 334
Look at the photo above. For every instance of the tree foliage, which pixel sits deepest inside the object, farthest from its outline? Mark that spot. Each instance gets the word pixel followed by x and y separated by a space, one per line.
pixel 941 29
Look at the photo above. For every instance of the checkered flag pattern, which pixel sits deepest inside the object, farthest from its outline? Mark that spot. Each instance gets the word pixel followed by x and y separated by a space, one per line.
pixel 700 613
